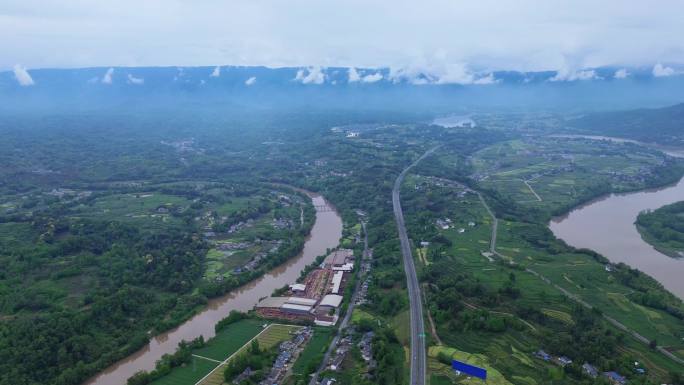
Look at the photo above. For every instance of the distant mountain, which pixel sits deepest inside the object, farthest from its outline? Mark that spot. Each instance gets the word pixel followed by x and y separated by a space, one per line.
pixel 661 125
pixel 230 87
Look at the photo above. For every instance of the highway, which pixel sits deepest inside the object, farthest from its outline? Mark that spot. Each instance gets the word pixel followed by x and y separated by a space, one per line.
pixel 418 360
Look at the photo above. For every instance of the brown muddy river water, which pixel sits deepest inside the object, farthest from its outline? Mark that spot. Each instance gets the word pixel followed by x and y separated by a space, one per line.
pixel 325 234
pixel 606 225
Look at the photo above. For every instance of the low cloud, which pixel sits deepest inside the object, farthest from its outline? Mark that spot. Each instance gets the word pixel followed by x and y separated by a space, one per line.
pixel 621 74
pixel 23 77
pixel 312 75
pixel 353 75
pixel 372 78
pixel 133 80
pixel 660 71
pixel 107 78
pixel 444 74
pixel 566 75
pixel 484 80
pixel 250 81
pixel 216 72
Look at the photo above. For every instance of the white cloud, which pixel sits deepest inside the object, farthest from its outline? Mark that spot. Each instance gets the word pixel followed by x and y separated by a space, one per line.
pixel 133 80
pixel 216 72
pixel 353 75
pixel 250 81
pixel 107 78
pixel 372 78
pixel 566 75
pixel 621 73
pixel 489 79
pixel 457 73
pixel 312 75
pixel 23 77
pixel 661 71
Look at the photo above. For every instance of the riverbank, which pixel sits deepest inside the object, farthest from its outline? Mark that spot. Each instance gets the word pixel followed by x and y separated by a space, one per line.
pixel 325 234
pixel 645 235
pixel 606 225
pixel 662 229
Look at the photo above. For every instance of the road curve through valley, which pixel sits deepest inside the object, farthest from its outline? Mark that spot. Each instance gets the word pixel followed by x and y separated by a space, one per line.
pixel 418 360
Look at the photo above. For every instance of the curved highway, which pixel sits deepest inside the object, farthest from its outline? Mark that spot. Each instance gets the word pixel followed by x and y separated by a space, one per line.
pixel 418 363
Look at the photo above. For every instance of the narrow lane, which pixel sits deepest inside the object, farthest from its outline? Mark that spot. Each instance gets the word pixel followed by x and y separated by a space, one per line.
pixel 347 315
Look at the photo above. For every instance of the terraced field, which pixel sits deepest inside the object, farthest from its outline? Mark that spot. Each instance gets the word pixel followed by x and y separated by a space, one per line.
pixel 443 370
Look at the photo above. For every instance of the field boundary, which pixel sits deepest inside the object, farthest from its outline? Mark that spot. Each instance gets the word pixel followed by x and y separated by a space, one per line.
pixel 224 362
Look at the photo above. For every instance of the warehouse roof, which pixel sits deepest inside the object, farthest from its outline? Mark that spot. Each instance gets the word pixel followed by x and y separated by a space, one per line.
pixel 302 301
pixel 298 287
pixel 333 300
pixel 337 281
pixel 294 306
pixel 339 257
pixel 272 302
pixel 346 267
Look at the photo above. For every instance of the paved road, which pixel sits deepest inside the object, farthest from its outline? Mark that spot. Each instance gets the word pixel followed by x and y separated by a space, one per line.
pixel 347 316
pixel 418 363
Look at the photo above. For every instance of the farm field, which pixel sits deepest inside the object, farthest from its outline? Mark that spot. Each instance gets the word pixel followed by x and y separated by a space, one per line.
pixel 228 342
pixel 503 297
pixel 554 173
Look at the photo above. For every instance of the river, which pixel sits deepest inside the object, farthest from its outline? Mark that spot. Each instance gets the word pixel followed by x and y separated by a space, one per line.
pixel 606 225
pixel 325 233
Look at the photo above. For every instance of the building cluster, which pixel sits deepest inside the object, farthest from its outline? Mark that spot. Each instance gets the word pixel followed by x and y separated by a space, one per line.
pixel 282 223
pixel 63 193
pixel 288 351
pixel 561 361
pixel 318 297
pixel 266 248
pixel 366 347
pixel 588 369
pixel 444 223
pixel 343 347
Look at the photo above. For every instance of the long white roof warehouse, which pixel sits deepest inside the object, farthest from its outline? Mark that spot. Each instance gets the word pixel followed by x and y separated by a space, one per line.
pixel 337 281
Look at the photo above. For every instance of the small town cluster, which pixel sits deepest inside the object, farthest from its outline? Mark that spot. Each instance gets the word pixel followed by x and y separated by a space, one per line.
pixel 288 351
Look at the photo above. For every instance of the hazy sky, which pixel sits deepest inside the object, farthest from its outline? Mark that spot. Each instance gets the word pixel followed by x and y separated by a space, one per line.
pixel 455 34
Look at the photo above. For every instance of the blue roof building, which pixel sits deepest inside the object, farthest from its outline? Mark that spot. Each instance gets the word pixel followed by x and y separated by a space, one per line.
pixel 615 378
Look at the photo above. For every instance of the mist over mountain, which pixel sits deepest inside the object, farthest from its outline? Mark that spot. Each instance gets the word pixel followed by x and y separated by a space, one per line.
pixel 660 125
pixel 334 88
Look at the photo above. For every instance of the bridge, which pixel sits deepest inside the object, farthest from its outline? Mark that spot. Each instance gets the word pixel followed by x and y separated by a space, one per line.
pixel 323 208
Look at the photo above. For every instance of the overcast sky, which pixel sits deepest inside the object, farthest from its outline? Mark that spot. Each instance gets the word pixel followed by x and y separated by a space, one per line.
pixel 480 35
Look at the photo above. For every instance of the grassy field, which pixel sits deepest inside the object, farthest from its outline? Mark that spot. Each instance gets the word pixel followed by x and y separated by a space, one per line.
pixel 138 208
pixel 268 338
pixel 189 374
pixel 229 341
